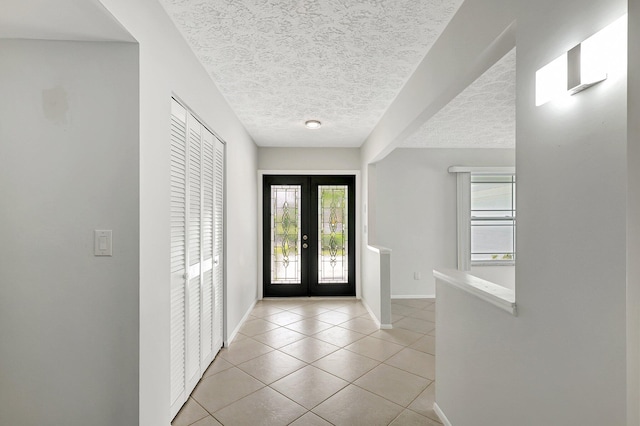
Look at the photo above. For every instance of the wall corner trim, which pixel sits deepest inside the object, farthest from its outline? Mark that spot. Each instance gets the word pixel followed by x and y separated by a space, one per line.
pixel 240 324
pixel 502 297
pixel 441 414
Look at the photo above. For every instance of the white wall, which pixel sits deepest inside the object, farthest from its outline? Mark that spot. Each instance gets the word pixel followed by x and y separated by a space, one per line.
pixel 69 150
pixel 566 350
pixel 464 51
pixel 168 66
pixel 633 219
pixel 502 275
pixel 308 158
pixel 312 160
pixel 416 211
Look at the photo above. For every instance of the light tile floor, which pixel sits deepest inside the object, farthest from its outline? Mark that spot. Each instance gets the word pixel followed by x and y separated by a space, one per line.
pixel 321 362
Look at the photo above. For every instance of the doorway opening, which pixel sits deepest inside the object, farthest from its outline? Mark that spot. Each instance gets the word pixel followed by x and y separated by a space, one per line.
pixel 308 235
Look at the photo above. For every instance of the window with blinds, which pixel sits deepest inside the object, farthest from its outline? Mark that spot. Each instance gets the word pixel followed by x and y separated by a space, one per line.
pixel 493 218
pixel 197 206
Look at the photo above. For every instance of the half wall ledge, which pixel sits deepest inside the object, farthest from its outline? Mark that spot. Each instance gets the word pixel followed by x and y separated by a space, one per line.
pixel 502 297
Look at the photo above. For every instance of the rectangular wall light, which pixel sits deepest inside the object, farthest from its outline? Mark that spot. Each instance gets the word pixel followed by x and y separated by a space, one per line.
pixel 584 65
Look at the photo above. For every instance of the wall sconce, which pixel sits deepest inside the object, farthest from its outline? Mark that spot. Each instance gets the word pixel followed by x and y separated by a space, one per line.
pixel 583 66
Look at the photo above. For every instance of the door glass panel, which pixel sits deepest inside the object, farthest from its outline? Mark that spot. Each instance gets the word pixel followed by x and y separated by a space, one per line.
pixel 285 234
pixel 333 264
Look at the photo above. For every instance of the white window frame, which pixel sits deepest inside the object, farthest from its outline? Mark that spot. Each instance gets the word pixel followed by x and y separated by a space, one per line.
pixel 464 213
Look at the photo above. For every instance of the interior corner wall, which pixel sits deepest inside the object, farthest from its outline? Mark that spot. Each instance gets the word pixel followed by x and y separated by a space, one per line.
pixel 633 218
pixel 308 158
pixel 70 163
pixel 169 67
pixel 416 211
pixel 571 273
pixel 571 159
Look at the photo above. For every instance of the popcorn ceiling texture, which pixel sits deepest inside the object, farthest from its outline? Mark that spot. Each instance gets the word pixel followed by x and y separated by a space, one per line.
pixel 481 116
pixel 282 62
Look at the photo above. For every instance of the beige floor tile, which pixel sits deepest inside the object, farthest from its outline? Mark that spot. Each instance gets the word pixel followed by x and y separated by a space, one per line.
pixel 431 307
pixel 309 326
pixel 239 336
pixel 310 419
pixel 425 344
pixel 279 337
pixel 264 310
pixel 393 384
pixel 257 326
pixel 423 404
pixel 361 325
pixel 415 362
pixel 398 335
pixel 220 390
pixel 353 406
pixel 271 366
pixel 409 418
pixel 207 421
pixel 374 348
pixel 285 303
pixel 219 364
pixel 333 317
pixel 353 310
pixel 310 310
pixel 396 317
pixel 346 364
pixel 284 318
pixel 333 304
pixel 244 350
pixel 309 349
pixel 190 413
pixel 265 407
pixel 416 303
pixel 402 309
pixel 424 315
pixel 432 333
pixel 415 324
pixel 339 336
pixel 309 386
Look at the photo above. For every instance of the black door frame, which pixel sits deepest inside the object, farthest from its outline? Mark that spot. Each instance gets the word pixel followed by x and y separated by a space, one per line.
pixel 309 276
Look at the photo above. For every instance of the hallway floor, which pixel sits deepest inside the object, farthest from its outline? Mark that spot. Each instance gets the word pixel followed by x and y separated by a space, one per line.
pixel 321 362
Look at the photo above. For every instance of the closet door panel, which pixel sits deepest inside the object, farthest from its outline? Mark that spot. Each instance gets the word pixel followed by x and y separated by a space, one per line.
pixel 178 253
pixel 207 305
pixel 218 248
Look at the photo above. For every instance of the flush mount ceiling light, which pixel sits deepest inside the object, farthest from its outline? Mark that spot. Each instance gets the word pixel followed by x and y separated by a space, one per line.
pixel 312 124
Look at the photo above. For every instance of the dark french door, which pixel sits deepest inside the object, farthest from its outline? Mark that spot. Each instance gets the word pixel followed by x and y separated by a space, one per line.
pixel 309 235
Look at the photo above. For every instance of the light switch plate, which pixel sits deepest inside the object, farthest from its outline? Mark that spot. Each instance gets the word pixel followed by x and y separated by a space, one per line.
pixel 103 243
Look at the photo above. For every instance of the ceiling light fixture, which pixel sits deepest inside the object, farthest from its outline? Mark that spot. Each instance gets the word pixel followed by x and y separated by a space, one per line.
pixel 312 124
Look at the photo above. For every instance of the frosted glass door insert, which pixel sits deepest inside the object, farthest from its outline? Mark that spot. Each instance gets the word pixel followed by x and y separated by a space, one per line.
pixel 333 241
pixel 285 234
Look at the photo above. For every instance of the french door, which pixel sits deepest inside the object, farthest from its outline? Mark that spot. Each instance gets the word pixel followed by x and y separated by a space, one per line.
pixel 309 235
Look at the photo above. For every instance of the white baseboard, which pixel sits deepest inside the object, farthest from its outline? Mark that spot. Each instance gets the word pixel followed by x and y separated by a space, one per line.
pixel 240 324
pixel 440 414
pixel 413 296
pixel 374 318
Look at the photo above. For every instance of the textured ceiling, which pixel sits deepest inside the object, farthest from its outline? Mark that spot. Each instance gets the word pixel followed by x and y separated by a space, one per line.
pixel 481 116
pixel 281 62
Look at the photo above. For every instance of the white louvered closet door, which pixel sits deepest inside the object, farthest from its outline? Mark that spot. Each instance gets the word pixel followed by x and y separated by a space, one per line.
pixel 206 342
pixel 194 253
pixel 178 254
pixel 197 205
pixel 218 246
